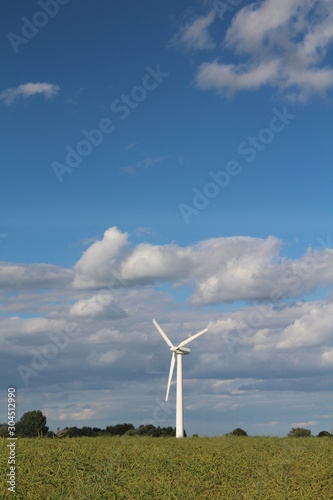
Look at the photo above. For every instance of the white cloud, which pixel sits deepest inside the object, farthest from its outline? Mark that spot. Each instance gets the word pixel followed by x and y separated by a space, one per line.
pixel 103 336
pixel 195 35
pixel 95 267
pixel 282 43
pixel 19 276
pixel 149 263
pixel 232 78
pixel 18 335
pixel 101 305
pixel 309 81
pixel 16 326
pixel 258 21
pixel 225 325
pixel 291 328
pixel 78 415
pixel 128 361
pixel 214 271
pixel 218 270
pixel 29 89
pixel 234 268
pixel 327 357
pixel 304 424
pixel 105 358
pixel 312 329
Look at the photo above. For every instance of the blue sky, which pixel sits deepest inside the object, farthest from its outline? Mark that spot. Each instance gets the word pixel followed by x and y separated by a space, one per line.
pixel 168 160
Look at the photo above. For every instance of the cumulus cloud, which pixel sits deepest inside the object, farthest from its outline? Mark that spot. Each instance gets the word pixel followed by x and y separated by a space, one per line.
pixel 282 43
pixel 296 326
pixel 195 35
pixel 16 326
pixel 259 20
pixel 96 266
pixel 26 90
pixel 157 263
pixel 232 78
pixel 225 325
pixel 107 358
pixel 312 329
pixel 28 276
pixel 101 305
pixel 229 266
pixel 17 334
pixel 217 270
pixel 103 336
pixel 214 271
pixel 279 352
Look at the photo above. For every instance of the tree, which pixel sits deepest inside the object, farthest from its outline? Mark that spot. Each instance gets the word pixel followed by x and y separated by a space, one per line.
pixel 87 431
pixel 119 429
pixel 151 430
pixel 299 432
pixel 74 432
pixel 50 434
pixel 32 424
pixel 3 430
pixel 324 434
pixel 238 432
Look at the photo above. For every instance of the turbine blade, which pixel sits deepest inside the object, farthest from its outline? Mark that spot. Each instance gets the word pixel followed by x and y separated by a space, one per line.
pixel 172 365
pixel 162 333
pixel 192 338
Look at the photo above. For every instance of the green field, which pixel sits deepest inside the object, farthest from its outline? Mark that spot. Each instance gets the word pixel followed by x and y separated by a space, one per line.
pixel 168 468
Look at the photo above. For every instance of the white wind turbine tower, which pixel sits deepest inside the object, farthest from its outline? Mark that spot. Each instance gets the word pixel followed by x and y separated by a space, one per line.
pixel 180 350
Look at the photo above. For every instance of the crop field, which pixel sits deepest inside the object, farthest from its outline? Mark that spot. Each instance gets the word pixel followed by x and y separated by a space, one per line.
pixel 167 468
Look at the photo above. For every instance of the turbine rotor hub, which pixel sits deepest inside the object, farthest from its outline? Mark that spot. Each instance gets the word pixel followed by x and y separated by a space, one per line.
pixel 180 350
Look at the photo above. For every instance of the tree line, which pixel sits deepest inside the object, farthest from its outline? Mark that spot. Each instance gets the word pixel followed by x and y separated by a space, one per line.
pixel 33 424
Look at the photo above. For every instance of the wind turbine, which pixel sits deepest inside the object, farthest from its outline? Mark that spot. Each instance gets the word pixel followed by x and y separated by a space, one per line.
pixel 178 350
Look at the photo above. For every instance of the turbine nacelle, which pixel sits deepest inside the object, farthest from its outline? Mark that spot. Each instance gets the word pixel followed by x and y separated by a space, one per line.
pixel 181 350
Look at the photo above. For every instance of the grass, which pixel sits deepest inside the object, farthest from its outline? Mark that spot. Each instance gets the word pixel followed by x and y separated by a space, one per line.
pixel 168 468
